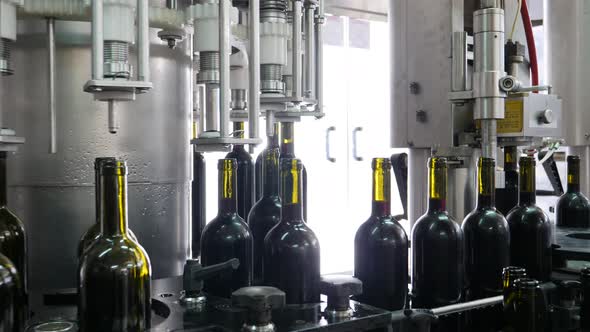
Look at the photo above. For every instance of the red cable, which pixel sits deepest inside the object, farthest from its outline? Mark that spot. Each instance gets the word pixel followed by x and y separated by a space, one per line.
pixel 530 40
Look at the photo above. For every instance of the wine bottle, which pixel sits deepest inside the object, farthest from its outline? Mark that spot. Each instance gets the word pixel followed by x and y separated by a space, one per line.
pixel 115 272
pixel 530 308
pixel 13 240
pixel 530 228
pixel 508 196
pixel 437 251
pixel 573 207
pixel 291 249
pixel 510 275
pixel 94 231
pixel 288 152
pixel 12 308
pixel 245 174
pixel 199 202
pixel 227 236
pixel 381 248
pixel 266 213
pixel 273 142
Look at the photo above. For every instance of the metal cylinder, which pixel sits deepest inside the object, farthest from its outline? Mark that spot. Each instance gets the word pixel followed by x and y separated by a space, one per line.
pixel 310 51
pixel 211 107
pixel 489 138
pixel 54 193
pixel 297 60
pixel 417 183
pixel 116 59
pixel 208 68
pixel 5 61
pixel 271 78
pixel 238 99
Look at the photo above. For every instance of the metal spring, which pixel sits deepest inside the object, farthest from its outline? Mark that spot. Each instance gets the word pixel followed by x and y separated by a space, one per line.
pixel 271 72
pixel 116 51
pixel 5 46
pixel 278 5
pixel 209 61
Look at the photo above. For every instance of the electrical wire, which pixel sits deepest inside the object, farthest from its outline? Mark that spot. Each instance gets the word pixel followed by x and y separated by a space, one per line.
pixel 530 40
pixel 515 20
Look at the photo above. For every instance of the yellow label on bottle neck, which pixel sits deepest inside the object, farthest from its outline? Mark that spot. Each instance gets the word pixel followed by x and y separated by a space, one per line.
pixel 228 173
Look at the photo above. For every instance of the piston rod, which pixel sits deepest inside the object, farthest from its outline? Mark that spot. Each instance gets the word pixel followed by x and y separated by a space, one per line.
pixel 51 77
pixel 224 63
pixel 254 70
pixel 97 40
pixel 319 57
pixel 310 60
pixel 297 63
pixel 143 40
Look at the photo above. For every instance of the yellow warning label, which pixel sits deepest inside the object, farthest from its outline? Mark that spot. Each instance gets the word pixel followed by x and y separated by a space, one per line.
pixel 513 117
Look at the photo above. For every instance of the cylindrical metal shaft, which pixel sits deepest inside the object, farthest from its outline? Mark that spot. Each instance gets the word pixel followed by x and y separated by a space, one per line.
pixel 310 60
pixel 297 61
pixel 254 69
pixel 319 72
pixel 97 40
pixel 51 76
pixel 224 53
pixel 143 40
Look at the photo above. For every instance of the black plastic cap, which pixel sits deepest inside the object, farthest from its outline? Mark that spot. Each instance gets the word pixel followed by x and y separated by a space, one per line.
pixel 340 285
pixel 258 298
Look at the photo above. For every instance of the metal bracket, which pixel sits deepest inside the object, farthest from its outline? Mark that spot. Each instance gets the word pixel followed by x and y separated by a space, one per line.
pixel 9 142
pixel 93 86
pixel 209 144
pixel 460 96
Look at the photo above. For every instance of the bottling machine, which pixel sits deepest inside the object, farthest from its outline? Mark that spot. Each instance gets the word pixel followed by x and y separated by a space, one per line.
pixel 158 82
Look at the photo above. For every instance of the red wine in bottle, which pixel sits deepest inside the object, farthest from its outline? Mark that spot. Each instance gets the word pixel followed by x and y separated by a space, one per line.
pixel 381 248
pixel 291 249
pixel 115 272
pixel 530 228
pixel 573 207
pixel 227 236
pixel 245 174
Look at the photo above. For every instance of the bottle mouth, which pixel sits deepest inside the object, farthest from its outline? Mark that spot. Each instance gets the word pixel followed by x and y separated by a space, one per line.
pixel 227 164
pixel 585 272
pixel 527 283
pixel 437 162
pixel 527 161
pixel 573 158
pixel 381 163
pixel 114 167
pixel 514 270
pixel 486 162
pixel 98 162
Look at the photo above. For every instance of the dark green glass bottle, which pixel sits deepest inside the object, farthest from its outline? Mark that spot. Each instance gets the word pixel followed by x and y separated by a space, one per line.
pixel 114 273
pixel 573 207
pixel 226 237
pixel 13 239
pixel 198 202
pixel 12 308
pixel 510 275
pixel 381 248
pixel 288 152
pixel 245 174
pixel 273 143
pixel 530 228
pixel 93 232
pixel 291 249
pixel 266 213
pixel 508 196
pixel 438 251
pixel 530 308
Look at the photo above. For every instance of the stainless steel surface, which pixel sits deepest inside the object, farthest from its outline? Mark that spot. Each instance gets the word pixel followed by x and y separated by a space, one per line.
pixel 51 80
pixel 534 106
pixel 310 51
pixel 319 49
pixel 53 193
pixel 461 191
pixel 97 40
pixel 417 183
pixel 113 120
pixel 296 39
pixel 566 51
pixel 459 65
pixel 362 9
pixel 143 41
pixel 489 138
pixel 254 70
pixel 212 107
pixel 460 307
pixel 224 67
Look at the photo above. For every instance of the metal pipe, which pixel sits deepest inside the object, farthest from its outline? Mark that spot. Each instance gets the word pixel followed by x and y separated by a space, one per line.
pixel 201 107
pixel 489 138
pixel 270 123
pixel 319 54
pixel 254 70
pixel 309 51
pixel 297 62
pixel 212 107
pixel 51 76
pixel 224 69
pixel 460 307
pixel 143 40
pixel 172 4
pixel 113 120
pixel 97 40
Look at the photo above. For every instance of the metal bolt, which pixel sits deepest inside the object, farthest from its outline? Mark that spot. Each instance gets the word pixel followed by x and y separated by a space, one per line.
pixel 415 88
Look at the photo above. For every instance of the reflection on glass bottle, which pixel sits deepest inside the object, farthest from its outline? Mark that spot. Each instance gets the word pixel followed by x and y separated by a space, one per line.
pixel 227 236
pixel 291 249
pixel 266 213
pixel 508 196
pixel 381 248
pixel 288 152
pixel 437 251
pixel 199 202
pixel 245 173
pixel 573 207
pixel 93 232
pixel 12 308
pixel 510 275
pixel 530 228
pixel 13 240
pixel 273 143
pixel 115 272
pixel 530 308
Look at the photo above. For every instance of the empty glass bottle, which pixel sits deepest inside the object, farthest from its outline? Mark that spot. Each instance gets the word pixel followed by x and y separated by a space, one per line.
pixel 381 248
pixel 530 228
pixel 227 236
pixel 510 275
pixel 573 207
pixel 94 231
pixel 12 308
pixel 291 249
pixel 114 273
pixel 245 174
pixel 266 213
pixel 530 308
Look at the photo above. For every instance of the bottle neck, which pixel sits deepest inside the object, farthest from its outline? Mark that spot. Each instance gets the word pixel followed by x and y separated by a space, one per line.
pixel 3 184
pixel 113 204
pixel 437 189
pixel 239 132
pixel 288 140
pixel 527 185
pixel 381 190
pixel 270 172
pixel 227 188
pixel 573 176
pixel 273 141
pixel 291 197
pixel 486 184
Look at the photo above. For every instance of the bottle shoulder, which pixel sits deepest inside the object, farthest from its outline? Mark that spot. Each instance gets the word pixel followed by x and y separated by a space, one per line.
pixel 526 214
pixel 385 228
pixel 286 233
pixel 116 251
pixel 573 200
pixel 226 226
pixel 488 218
pixel 267 208
pixel 436 224
pixel 9 221
pixel 241 155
